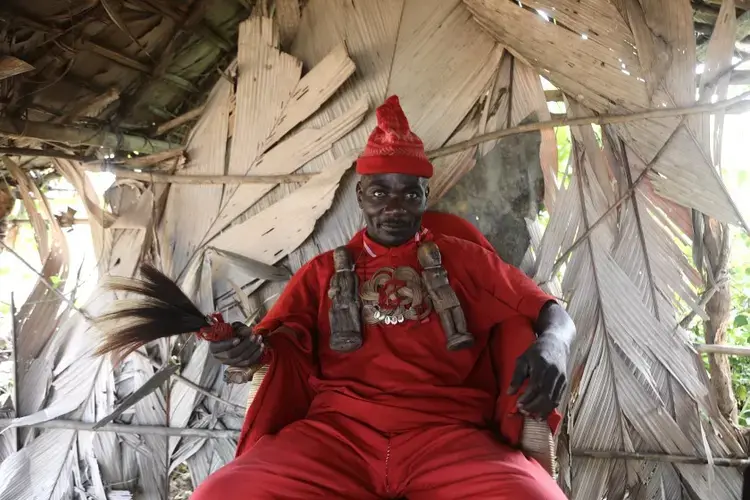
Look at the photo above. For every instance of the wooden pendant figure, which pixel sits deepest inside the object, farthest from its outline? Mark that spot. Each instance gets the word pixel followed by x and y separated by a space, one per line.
pixel 444 298
pixel 344 315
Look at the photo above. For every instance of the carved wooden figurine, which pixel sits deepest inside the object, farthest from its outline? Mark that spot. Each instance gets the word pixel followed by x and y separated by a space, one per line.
pixel 444 298
pixel 344 315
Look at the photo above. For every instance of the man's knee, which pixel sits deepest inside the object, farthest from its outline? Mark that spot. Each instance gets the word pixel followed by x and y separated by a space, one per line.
pixel 220 484
pixel 236 482
pixel 538 487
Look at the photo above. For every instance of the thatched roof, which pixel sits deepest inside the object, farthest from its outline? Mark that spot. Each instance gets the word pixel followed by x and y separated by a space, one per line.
pixel 111 73
pixel 298 95
pixel 133 75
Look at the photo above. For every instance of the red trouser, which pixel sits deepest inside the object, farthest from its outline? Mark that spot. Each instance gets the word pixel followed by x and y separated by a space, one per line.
pixel 334 457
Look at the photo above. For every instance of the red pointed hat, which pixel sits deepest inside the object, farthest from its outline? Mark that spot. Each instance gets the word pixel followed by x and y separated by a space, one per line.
pixel 392 147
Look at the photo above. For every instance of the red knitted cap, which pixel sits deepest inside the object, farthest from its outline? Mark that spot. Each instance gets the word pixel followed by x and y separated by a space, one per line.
pixel 392 147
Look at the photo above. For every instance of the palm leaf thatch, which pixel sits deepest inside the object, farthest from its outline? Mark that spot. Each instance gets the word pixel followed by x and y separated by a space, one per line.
pixel 299 97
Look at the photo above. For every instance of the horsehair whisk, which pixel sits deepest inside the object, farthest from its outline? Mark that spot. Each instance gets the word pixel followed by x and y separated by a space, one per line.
pixel 158 309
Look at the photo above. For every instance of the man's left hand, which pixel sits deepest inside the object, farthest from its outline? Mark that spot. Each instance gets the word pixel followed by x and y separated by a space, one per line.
pixel 545 365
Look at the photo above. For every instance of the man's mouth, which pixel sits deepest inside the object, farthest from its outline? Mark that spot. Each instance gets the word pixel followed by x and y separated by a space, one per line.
pixel 395 225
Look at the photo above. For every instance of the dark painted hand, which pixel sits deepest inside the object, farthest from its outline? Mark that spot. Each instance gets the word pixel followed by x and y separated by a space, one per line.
pixel 544 364
pixel 245 349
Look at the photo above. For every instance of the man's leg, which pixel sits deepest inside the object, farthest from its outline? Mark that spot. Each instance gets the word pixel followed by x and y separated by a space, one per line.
pixel 459 462
pixel 307 459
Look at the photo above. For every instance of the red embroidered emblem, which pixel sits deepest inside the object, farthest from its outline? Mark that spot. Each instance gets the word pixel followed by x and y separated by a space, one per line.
pixel 393 296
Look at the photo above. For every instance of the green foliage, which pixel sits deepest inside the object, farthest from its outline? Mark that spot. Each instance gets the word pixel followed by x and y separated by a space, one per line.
pixel 738 332
pixel 737 178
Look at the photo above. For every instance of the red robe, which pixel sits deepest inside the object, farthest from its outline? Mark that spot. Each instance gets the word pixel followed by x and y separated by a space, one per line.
pixel 403 377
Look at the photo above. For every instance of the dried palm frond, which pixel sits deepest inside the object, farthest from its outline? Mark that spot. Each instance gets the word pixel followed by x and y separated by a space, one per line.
pixel 159 309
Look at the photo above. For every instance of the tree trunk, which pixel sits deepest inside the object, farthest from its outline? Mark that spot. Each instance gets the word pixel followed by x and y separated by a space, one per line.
pixel 716 239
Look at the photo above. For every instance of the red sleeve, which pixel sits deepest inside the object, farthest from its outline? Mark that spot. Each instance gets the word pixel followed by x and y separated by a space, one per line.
pixel 297 306
pixel 290 326
pixel 512 287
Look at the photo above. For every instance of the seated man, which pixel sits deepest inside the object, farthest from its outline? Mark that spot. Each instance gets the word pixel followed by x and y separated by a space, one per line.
pixel 382 380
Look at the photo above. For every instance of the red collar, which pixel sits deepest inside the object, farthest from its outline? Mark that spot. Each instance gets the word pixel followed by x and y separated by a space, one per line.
pixel 374 249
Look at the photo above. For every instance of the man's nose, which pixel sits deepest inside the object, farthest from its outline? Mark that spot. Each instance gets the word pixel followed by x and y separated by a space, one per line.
pixel 395 205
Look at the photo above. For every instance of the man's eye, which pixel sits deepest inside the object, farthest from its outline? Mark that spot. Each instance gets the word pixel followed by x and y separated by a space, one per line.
pixel 412 196
pixel 378 194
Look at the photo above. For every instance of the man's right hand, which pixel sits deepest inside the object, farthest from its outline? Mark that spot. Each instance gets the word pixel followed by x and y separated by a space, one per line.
pixel 244 350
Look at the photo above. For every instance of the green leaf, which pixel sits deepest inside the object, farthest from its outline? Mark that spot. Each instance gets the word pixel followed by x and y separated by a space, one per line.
pixel 55 280
pixel 740 320
pixel 741 393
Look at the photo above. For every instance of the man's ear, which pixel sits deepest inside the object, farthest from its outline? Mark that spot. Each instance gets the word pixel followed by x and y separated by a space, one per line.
pixel 359 193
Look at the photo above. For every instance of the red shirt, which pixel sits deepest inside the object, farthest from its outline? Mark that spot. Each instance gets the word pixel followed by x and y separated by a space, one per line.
pixel 403 376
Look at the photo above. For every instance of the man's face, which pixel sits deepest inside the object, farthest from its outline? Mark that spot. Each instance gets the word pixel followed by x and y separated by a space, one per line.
pixel 393 205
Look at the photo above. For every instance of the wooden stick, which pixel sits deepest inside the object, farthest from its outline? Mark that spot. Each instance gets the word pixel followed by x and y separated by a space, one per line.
pixel 160 178
pixel 191 115
pixel 27 221
pixel 588 120
pixel 730 350
pixel 153 430
pixel 96 165
pixel 661 457
pixel 73 135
